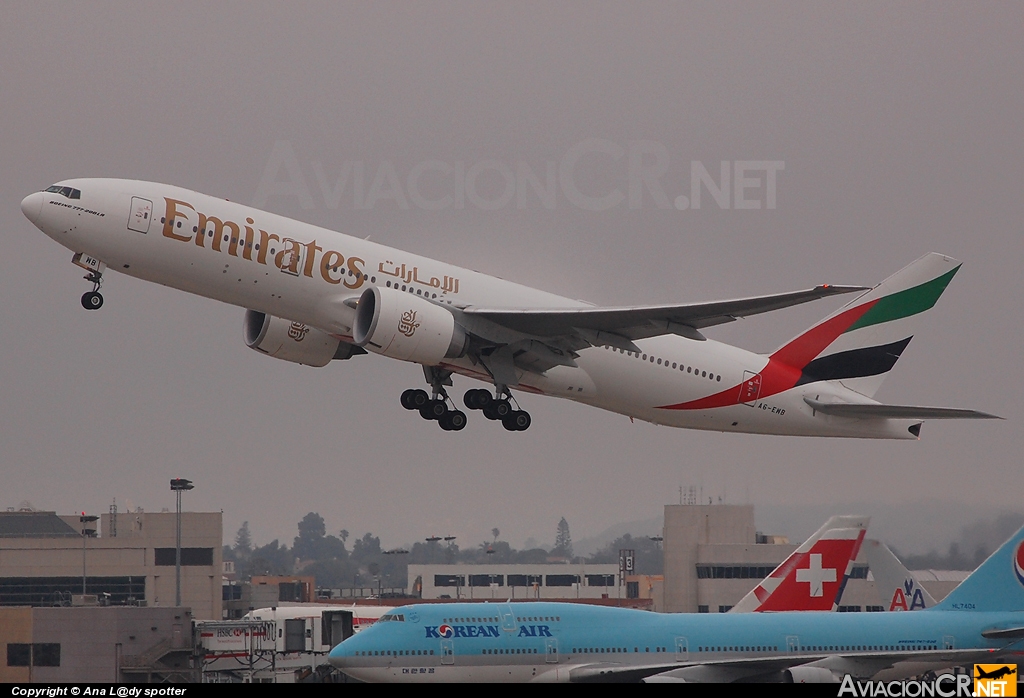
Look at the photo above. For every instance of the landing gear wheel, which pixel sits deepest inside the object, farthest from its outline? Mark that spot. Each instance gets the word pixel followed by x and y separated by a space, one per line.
pixel 457 420
pixel 434 409
pixel 517 420
pixel 408 399
pixel 92 300
pixel 419 399
pixel 477 399
pixel 453 421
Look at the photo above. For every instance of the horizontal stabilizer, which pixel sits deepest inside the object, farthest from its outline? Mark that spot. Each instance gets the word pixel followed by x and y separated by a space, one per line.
pixel 878 411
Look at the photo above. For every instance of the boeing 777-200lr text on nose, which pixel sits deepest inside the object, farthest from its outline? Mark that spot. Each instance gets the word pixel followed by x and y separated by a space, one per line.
pixel 313 295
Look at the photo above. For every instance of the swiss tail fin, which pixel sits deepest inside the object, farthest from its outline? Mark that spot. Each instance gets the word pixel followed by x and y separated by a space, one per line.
pixel 812 578
pixel 861 342
pixel 899 588
pixel 997 585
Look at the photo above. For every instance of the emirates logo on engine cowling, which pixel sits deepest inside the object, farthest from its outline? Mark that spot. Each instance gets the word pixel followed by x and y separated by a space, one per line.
pixel 407 325
pixel 297 331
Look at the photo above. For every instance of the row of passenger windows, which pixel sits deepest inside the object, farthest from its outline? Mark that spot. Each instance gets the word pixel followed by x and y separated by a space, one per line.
pixel 614 650
pixel 419 291
pixel 394 653
pixel 510 651
pixel 665 363
pixel 746 648
pixel 820 648
pixel 477 619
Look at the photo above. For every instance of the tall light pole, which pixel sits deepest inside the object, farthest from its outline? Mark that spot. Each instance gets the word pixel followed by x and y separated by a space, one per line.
pixel 86 532
pixel 178 485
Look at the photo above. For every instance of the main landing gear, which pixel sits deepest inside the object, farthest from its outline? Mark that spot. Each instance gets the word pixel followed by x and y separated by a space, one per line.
pixel 93 300
pixel 435 408
pixel 434 405
pixel 498 409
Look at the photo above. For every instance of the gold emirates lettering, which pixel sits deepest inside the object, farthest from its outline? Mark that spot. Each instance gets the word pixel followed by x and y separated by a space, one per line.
pixel 332 266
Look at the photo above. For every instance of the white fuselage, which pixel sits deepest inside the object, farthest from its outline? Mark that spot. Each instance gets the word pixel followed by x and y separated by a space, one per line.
pixel 334 269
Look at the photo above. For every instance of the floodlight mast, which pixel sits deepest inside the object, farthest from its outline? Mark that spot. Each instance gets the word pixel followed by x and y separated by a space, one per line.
pixel 86 532
pixel 178 485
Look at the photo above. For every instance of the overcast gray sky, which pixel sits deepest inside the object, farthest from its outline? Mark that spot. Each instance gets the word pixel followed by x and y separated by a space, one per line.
pixel 899 130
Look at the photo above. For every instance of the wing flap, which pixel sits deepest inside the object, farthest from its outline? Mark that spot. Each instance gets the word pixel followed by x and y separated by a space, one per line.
pixel 879 411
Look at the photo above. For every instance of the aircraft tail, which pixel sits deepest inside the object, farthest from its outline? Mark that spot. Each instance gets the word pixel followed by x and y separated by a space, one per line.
pixel 899 588
pixel 997 584
pixel 861 342
pixel 813 577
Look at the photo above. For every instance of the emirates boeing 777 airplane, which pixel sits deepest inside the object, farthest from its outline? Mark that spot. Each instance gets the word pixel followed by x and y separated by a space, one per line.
pixel 314 295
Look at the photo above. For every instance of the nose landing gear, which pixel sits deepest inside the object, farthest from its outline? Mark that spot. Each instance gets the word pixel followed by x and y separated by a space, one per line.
pixel 91 300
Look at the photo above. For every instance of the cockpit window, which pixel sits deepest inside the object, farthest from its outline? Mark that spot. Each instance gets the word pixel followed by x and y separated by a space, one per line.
pixel 400 617
pixel 65 191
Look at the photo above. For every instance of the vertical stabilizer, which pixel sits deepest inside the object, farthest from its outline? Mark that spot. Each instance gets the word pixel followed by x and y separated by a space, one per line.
pixel 861 342
pixel 812 577
pixel 997 585
pixel 899 589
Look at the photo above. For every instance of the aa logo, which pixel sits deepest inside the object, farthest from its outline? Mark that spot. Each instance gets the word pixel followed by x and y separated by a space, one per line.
pixel 995 679
pixel 908 598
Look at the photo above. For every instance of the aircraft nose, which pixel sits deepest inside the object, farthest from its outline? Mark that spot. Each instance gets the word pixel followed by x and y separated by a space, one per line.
pixel 32 205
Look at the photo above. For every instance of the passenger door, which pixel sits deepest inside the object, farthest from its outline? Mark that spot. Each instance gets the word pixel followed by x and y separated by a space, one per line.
pixel 447 652
pixel 141 215
pixel 551 650
pixel 682 649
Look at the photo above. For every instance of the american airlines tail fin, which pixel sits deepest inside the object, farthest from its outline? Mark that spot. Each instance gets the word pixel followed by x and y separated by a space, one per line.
pixel 997 584
pixel 861 342
pixel 812 578
pixel 899 588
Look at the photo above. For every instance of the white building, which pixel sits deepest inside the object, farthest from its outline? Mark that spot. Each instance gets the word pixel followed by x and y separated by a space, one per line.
pixel 531 581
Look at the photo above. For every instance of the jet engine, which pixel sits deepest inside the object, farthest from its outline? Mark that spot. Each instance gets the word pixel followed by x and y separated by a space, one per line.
pixel 293 341
pixel 402 326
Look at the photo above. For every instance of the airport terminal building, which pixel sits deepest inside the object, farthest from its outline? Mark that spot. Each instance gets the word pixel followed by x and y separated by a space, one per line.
pixel 45 560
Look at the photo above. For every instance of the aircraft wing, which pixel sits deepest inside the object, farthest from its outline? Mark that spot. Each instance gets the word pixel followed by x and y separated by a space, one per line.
pixel 868 410
pixel 638 322
pixel 860 665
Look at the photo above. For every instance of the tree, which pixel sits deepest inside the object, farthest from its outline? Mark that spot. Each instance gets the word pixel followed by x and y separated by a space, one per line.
pixel 313 544
pixel 495 532
pixel 648 555
pixel 343 534
pixel 273 559
pixel 563 541
pixel 243 542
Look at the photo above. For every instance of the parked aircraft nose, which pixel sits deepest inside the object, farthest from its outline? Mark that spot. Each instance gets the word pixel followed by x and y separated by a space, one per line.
pixel 32 205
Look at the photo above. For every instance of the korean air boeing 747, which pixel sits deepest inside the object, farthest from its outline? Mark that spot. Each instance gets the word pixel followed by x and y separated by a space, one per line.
pixel 981 620
pixel 313 295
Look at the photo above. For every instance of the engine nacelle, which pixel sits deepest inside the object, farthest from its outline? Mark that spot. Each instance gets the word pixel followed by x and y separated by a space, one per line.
pixel 809 674
pixel 406 327
pixel 293 341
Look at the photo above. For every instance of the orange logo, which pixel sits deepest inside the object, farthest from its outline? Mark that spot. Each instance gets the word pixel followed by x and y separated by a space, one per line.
pixel 995 679
pixel 407 325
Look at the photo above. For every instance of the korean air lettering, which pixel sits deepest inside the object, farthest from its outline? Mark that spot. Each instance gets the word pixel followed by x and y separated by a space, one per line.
pixel 448 631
